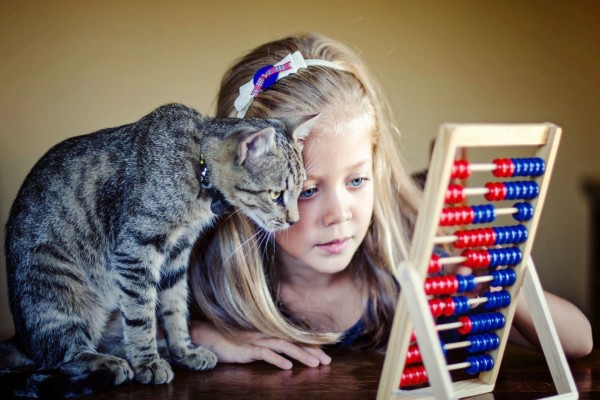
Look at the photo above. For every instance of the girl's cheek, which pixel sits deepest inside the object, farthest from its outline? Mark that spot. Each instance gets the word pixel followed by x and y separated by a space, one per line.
pixel 304 208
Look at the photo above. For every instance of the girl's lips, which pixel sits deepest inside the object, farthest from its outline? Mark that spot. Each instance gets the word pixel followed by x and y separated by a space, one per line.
pixel 335 246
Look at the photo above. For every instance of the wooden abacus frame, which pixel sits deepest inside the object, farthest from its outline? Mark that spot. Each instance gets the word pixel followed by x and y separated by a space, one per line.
pixel 413 310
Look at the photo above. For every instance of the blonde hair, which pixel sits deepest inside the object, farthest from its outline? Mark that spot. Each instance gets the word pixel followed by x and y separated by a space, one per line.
pixel 233 275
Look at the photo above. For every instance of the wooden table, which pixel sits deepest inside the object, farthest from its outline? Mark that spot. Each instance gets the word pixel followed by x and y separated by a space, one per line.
pixel 523 375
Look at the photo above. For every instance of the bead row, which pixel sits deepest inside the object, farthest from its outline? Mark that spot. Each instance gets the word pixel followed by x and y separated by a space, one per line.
pixel 500 167
pixel 450 284
pixel 480 214
pixel 498 235
pixel 473 365
pixel 458 305
pixel 492 257
pixel 493 191
pixel 477 343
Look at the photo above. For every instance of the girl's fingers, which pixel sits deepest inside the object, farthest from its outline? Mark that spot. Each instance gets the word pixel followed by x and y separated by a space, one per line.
pixel 293 351
pixel 324 359
pixel 271 357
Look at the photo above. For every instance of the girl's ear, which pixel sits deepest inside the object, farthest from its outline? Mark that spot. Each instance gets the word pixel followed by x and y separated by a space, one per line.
pixel 254 144
pixel 300 126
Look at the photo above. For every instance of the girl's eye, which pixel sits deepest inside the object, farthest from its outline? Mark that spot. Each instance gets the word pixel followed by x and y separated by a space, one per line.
pixel 308 193
pixel 357 181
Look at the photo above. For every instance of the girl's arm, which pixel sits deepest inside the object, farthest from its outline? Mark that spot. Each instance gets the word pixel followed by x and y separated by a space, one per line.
pixel 253 346
pixel 573 327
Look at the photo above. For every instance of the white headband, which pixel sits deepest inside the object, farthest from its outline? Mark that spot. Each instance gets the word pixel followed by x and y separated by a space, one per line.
pixel 270 74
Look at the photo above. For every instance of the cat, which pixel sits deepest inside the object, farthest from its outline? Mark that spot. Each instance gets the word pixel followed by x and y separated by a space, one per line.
pixel 106 221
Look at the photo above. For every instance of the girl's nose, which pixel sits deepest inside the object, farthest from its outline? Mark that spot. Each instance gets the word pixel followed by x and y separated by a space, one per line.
pixel 337 209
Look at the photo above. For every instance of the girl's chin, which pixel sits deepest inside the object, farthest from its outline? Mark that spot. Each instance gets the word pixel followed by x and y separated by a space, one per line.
pixel 331 266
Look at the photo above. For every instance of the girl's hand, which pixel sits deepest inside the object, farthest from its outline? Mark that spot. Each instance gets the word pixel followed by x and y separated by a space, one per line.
pixel 254 346
pixel 572 326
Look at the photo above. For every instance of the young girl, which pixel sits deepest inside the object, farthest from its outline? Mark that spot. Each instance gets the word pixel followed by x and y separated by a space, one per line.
pixel 330 278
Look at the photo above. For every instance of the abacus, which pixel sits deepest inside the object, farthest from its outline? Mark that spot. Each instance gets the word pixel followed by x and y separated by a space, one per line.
pixel 493 239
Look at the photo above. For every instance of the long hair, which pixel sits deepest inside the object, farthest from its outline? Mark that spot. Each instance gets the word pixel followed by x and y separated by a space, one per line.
pixel 233 273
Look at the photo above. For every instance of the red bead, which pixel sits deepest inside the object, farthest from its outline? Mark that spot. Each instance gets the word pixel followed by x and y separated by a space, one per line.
pixel 434 264
pixel 437 307
pixel 464 239
pixel 505 168
pixel 467 325
pixel 497 191
pixel 457 216
pixel 441 285
pixel 413 355
pixel 476 258
pixel 413 376
pixel 454 194
pixel 450 306
pixel 475 238
pixel 460 170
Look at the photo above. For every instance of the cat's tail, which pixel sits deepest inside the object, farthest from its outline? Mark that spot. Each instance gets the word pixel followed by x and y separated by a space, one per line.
pixel 52 385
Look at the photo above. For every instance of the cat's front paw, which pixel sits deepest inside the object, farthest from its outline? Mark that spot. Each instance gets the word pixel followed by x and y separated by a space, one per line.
pixel 195 358
pixel 157 372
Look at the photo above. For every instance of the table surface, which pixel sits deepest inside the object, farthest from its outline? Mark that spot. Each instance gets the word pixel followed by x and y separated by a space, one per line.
pixel 351 375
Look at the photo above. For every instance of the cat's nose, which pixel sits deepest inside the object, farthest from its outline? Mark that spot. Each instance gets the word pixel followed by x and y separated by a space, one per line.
pixel 291 221
pixel 292 216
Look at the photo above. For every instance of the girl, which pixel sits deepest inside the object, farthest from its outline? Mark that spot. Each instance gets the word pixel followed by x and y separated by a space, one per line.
pixel 330 278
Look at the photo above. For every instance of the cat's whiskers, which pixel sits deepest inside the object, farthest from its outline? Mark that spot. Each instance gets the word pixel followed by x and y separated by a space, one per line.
pixel 266 238
pixel 308 167
pixel 260 235
pixel 241 246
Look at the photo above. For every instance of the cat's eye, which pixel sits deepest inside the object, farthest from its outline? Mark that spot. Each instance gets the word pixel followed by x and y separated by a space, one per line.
pixel 277 196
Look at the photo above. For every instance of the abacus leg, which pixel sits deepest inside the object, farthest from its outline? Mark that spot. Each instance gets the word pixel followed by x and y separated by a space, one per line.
pixel 544 326
pixel 424 326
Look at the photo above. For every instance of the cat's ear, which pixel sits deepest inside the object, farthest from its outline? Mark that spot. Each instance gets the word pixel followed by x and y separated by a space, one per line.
pixel 254 144
pixel 300 126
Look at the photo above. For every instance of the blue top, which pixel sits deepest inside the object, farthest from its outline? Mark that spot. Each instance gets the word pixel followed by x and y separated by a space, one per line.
pixel 351 335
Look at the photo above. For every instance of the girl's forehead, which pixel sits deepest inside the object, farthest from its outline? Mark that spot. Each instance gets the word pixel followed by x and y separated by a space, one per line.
pixel 344 119
pixel 325 148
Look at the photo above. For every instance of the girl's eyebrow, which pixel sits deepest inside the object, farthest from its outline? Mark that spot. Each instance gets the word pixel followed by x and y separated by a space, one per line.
pixel 360 164
pixel 356 165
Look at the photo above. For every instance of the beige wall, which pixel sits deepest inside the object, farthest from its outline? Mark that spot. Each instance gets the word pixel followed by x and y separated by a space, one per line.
pixel 71 67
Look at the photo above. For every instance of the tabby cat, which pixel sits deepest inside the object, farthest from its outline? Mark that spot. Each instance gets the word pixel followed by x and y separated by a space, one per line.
pixel 106 222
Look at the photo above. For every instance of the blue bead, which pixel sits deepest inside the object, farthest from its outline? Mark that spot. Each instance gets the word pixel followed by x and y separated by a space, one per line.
pixel 500 234
pixel 514 255
pixel 496 300
pixel 503 277
pixel 479 364
pixel 521 190
pixel 484 213
pixel 540 167
pixel 524 211
pixel 461 305
pixel 466 283
pixel 530 189
pixel 534 166
pixel 507 256
pixel 483 342
pixel 443 345
pixel 488 322
pixel 521 233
